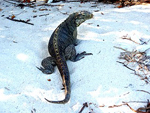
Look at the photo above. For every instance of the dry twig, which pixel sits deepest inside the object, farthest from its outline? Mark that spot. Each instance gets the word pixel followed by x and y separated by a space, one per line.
pixel 122 105
pixel 116 105
pixel 136 58
pixel 23 21
pixel 126 66
pixel 84 105
pixel 143 91
pixel 139 110
pixel 130 39
pixel 50 5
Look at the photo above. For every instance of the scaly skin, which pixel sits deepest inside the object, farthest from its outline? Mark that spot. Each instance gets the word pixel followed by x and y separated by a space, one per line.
pixel 61 48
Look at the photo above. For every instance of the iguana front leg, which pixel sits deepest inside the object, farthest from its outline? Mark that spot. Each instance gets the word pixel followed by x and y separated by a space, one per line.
pixel 48 65
pixel 70 54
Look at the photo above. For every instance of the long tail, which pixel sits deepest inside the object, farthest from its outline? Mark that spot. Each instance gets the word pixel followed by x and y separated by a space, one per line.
pixel 67 97
pixel 63 69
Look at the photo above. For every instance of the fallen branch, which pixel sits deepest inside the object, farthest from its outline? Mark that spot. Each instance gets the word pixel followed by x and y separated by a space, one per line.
pixel 138 59
pixel 143 77
pixel 23 21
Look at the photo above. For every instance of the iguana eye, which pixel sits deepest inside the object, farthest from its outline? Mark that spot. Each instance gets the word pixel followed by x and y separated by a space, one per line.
pixel 80 15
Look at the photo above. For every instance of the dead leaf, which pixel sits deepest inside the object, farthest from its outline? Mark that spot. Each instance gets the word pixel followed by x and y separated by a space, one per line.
pixel 49 80
pixel 43 9
pixel 13 16
pixel 102 13
pixel 120 6
pixel 0 9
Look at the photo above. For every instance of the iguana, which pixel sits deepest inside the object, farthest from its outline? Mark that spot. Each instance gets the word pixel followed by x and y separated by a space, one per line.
pixel 62 47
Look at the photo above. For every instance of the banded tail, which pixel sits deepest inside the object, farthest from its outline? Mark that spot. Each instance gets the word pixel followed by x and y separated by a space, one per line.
pixel 63 69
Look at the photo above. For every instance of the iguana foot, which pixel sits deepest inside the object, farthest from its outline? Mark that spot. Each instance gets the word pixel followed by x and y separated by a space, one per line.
pixel 45 71
pixel 70 53
pixel 48 65
pixel 80 56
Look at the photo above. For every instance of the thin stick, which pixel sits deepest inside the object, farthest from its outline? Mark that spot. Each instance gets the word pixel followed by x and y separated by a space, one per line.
pixel 126 66
pixel 43 15
pixel 121 48
pixel 26 22
pixel 131 107
pixel 49 5
pixel 143 91
pixel 116 105
pixel 122 105
pixel 130 40
pixel 84 105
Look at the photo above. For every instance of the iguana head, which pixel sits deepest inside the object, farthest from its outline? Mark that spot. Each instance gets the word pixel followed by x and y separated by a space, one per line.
pixel 82 16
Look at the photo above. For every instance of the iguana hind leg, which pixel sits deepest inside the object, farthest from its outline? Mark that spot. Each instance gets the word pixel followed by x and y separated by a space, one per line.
pixel 48 65
pixel 70 54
